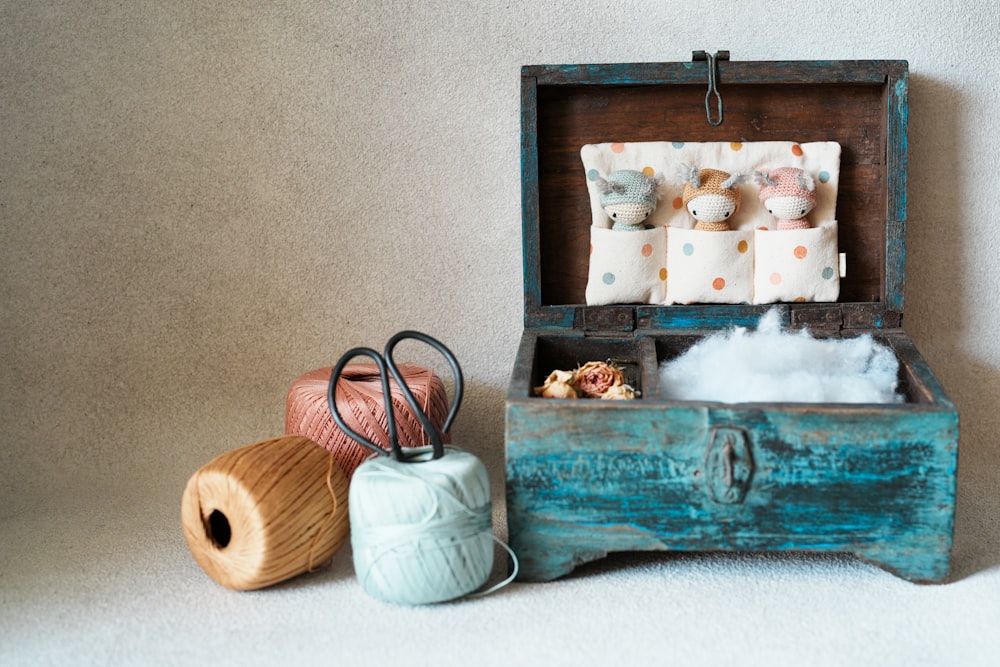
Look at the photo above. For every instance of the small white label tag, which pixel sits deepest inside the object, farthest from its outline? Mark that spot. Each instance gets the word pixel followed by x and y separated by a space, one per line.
pixel 843 264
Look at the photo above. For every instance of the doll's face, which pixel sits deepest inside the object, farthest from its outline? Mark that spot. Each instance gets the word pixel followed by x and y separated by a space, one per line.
pixel 711 208
pixel 628 213
pixel 788 208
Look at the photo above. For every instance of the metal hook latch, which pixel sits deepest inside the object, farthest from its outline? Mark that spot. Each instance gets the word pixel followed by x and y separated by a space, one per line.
pixel 713 82
pixel 728 464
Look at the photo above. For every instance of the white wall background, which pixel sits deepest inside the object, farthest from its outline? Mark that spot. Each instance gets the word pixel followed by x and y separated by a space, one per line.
pixel 201 201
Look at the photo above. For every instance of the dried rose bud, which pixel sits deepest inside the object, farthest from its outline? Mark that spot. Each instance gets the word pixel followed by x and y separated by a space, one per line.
pixel 620 392
pixel 567 377
pixel 556 390
pixel 559 384
pixel 596 377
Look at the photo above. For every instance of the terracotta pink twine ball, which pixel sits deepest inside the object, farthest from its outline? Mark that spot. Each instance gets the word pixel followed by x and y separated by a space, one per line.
pixel 361 404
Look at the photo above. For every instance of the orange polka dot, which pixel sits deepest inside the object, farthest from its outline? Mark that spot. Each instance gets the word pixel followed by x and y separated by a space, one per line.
pixel 647 250
pixel 591 248
pixel 800 299
pixel 800 252
pixel 742 246
pixel 618 148
pixel 775 278
pixel 763 229
pixel 797 150
pixel 718 284
pixel 678 203
pixel 735 145
pixel 663 273
pixel 648 171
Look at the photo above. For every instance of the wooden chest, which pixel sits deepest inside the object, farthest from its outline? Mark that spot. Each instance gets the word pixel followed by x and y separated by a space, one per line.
pixel 588 477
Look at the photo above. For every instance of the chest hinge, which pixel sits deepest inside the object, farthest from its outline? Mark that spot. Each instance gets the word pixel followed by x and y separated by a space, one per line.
pixel 833 318
pixel 606 320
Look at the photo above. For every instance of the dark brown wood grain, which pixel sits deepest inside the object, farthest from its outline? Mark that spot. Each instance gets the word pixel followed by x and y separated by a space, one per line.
pixel 570 116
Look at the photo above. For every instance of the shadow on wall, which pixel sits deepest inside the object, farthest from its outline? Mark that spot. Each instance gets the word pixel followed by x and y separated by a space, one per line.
pixel 936 298
pixel 977 531
pixel 479 429
pixel 937 310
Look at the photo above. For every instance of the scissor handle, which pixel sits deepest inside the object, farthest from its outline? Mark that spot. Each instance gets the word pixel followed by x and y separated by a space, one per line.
pixel 390 419
pixel 435 435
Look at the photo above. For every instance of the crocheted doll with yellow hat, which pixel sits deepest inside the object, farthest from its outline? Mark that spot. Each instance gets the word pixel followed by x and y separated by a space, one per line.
pixel 788 193
pixel 628 197
pixel 711 197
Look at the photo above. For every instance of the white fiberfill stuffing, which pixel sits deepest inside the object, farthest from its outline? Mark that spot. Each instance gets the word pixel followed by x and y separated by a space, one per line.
pixel 771 365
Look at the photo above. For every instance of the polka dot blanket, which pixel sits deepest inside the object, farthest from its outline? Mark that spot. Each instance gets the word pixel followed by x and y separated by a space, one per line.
pixel 670 262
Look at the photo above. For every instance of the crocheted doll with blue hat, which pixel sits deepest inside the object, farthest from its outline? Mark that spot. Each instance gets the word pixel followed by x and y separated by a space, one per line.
pixel 629 197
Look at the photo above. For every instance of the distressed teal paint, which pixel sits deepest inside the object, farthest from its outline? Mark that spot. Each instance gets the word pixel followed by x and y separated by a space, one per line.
pixel 897 109
pixel 611 74
pixel 529 198
pixel 558 318
pixel 585 479
pixel 707 316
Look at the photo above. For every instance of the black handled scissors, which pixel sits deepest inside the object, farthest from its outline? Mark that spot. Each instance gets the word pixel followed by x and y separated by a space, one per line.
pixel 387 366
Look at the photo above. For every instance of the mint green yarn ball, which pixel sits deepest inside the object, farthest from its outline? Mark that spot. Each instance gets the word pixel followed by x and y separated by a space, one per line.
pixel 421 530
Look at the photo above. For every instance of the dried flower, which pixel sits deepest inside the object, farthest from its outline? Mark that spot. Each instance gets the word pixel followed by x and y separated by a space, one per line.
pixel 596 377
pixel 557 390
pixel 620 392
pixel 568 377
pixel 559 384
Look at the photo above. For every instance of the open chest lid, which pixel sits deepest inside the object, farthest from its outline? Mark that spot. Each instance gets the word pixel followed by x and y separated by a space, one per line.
pixel 862 105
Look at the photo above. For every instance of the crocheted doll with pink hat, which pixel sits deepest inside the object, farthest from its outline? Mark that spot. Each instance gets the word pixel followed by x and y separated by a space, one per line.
pixel 788 193
pixel 628 197
pixel 711 197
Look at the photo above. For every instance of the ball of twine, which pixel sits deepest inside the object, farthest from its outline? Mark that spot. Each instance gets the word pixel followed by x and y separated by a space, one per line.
pixel 361 403
pixel 267 512
pixel 421 531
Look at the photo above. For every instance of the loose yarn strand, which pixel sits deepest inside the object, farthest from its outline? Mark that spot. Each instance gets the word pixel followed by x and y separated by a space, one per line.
pixel 329 518
pixel 510 578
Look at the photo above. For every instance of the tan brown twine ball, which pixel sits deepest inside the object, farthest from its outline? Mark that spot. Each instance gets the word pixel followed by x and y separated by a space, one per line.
pixel 267 512
pixel 362 405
